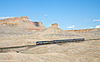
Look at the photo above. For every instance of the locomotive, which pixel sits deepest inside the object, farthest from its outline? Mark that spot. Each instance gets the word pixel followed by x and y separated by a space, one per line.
pixel 44 42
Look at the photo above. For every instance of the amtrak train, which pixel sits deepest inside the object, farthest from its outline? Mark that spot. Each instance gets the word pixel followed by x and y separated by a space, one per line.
pixel 44 42
pixel 59 41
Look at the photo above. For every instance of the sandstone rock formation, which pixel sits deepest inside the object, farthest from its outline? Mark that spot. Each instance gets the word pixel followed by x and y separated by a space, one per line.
pixel 54 32
pixel 22 22
pixel 19 26
pixel 87 51
pixel 87 33
pixel 84 30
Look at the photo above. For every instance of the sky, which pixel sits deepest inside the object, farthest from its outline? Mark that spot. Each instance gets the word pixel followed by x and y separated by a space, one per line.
pixel 69 14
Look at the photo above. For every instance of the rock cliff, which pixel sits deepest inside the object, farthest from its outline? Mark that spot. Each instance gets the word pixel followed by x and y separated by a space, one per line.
pixel 54 32
pixel 19 26
pixel 21 22
pixel 84 30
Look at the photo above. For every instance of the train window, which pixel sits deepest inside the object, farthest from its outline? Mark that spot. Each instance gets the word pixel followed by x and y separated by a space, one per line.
pixel 36 23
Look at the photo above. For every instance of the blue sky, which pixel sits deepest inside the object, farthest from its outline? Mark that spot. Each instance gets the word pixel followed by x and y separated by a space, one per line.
pixel 69 14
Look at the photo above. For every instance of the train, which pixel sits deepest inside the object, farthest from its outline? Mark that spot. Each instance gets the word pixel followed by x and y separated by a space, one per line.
pixel 59 41
pixel 44 42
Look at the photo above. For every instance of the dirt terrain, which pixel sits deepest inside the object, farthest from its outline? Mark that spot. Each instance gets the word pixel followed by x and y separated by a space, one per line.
pixel 87 51
pixel 18 46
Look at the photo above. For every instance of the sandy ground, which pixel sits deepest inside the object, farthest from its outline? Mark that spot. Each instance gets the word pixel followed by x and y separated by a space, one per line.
pixel 86 51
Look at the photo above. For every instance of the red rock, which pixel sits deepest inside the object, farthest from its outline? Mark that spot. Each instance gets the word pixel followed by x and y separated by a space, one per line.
pixel 22 22
pixel 54 25
pixel 83 30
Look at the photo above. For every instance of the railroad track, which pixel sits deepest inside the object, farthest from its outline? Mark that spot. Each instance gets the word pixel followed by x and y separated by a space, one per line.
pixel 20 48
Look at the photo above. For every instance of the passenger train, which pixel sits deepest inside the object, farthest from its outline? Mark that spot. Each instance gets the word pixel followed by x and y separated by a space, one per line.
pixel 59 41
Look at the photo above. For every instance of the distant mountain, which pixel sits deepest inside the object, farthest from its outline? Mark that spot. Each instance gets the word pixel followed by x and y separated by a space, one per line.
pixel 54 32
pixel 23 26
pixel 87 33
pixel 84 30
pixel 21 22
pixel 19 26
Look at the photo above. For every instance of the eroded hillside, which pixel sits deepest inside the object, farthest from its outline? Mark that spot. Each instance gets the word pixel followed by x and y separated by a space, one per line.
pixel 17 32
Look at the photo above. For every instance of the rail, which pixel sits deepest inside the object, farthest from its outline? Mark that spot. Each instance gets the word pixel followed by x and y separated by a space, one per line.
pixel 16 47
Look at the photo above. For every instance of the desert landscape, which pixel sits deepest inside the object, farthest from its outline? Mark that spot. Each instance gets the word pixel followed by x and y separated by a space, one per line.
pixel 18 37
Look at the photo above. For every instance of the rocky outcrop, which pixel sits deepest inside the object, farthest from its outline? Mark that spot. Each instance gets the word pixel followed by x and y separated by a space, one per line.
pixel 84 30
pixel 54 25
pixel 54 32
pixel 21 22
pixel 15 26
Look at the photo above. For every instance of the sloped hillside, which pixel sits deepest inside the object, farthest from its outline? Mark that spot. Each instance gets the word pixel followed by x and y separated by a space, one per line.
pixel 19 26
pixel 54 32
pixel 87 33
pixel 87 51
pixel 84 30
pixel 22 22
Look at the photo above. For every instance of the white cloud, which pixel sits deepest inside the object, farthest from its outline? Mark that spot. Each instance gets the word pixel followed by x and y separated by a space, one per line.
pixel 73 26
pixel 98 26
pixel 46 15
pixel 30 19
pixel 92 27
pixel 4 17
pixel 97 20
